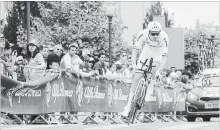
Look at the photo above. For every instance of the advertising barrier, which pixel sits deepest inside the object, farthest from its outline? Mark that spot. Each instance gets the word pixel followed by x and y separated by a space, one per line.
pixel 79 94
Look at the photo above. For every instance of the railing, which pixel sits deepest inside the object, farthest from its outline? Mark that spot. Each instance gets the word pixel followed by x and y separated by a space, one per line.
pixel 95 117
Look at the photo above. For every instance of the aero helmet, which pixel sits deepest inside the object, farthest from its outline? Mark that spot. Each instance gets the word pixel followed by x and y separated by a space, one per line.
pixel 154 26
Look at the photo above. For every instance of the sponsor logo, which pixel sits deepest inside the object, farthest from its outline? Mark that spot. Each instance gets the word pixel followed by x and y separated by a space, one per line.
pixel 11 92
pixel 79 93
pixel 110 95
pixel 55 91
pixel 48 94
pixel 115 95
pixel 160 100
pixel 93 93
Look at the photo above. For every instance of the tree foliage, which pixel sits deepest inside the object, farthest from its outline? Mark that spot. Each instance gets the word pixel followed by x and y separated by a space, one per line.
pixel 17 17
pixel 196 36
pixel 157 9
pixel 64 22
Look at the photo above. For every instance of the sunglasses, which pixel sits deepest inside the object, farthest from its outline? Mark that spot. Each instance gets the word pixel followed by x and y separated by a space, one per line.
pixel 20 60
pixel 89 61
pixel 155 34
pixel 32 44
pixel 124 55
pixel 59 49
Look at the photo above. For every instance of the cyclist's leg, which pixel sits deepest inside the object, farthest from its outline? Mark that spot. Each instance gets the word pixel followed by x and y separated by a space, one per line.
pixel 150 88
pixel 135 79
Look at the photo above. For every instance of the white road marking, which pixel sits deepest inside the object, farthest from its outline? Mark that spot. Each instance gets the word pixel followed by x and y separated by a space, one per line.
pixel 184 126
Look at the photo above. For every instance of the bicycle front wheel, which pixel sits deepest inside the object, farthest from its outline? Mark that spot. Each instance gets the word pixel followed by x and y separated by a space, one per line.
pixel 137 101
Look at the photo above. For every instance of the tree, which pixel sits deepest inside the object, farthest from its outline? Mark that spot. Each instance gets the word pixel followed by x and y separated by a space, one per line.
pixel 200 35
pixel 156 9
pixel 17 17
pixel 64 22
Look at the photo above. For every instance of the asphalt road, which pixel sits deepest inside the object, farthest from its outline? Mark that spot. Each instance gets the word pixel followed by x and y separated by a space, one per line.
pixel 160 126
pixel 142 126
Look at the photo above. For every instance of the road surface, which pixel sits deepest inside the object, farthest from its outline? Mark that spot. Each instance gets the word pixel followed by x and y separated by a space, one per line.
pixel 160 126
pixel 143 126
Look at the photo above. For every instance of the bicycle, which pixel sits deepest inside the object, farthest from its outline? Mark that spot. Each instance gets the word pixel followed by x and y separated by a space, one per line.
pixel 140 92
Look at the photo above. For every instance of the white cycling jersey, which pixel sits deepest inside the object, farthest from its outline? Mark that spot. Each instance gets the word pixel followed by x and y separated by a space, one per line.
pixel 151 49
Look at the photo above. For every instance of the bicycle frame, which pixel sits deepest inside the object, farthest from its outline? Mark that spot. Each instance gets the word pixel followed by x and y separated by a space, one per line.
pixel 140 92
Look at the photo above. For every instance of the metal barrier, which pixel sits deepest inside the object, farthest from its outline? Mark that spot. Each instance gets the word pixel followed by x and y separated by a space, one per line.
pixel 98 119
pixel 91 118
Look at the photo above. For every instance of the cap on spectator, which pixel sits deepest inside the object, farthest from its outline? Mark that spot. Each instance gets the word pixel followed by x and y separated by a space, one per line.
pixel 19 58
pixel 51 49
pixel 34 42
pixel 172 67
pixel 73 45
pixel 86 52
pixel 1 36
pixel 173 75
pixel 179 73
pixel 96 53
pixel 91 59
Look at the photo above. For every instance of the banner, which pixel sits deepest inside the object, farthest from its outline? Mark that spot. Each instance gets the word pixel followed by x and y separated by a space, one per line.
pixel 79 94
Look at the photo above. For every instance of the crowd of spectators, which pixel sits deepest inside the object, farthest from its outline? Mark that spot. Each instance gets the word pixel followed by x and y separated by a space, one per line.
pixel 80 58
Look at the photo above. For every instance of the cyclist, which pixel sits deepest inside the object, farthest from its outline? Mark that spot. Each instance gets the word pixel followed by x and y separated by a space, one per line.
pixel 152 43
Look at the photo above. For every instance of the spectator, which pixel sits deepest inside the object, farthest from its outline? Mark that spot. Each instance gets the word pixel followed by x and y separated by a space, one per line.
pixel 99 66
pixel 19 69
pixel 36 64
pixel 163 79
pixel 87 70
pixel 126 74
pixel 185 83
pixel 85 55
pixel 96 56
pixel 57 52
pixel 173 74
pixel 6 63
pixel 111 73
pixel 71 61
pixel 123 58
pixel 54 66
pixel 20 47
pixel 45 52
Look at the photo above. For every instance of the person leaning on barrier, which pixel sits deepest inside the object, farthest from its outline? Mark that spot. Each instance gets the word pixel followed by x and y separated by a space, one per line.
pixel 111 73
pixel 44 50
pixel 87 70
pixel 6 61
pixel 57 52
pixel 99 66
pixel 36 65
pixel 71 61
pixel 19 69
pixel 54 67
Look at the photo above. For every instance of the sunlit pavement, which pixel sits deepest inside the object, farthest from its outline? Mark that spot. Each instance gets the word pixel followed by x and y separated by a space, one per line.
pixel 159 126
pixel 198 125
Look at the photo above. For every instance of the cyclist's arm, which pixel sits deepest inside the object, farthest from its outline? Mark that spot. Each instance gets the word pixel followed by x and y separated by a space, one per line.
pixel 137 46
pixel 165 51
